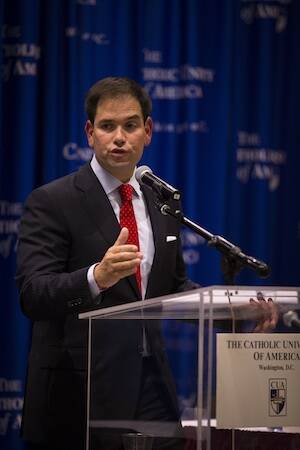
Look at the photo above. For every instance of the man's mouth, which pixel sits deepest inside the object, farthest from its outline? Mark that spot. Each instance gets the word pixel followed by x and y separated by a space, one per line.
pixel 118 151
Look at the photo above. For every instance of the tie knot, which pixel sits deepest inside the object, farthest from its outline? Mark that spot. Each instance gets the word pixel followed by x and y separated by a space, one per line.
pixel 126 192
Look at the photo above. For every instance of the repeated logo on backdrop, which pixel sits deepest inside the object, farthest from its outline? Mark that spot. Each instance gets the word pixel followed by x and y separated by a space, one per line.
pixel 175 83
pixel 87 2
pixel 258 162
pixel 73 152
pixel 10 213
pixel 257 10
pixel 191 245
pixel 97 38
pixel 20 58
pixel 11 404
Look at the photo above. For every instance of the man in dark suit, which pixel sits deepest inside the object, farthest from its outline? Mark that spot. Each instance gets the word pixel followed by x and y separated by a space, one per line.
pixel 74 255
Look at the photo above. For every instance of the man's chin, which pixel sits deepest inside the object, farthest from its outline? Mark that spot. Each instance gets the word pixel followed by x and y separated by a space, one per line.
pixel 122 170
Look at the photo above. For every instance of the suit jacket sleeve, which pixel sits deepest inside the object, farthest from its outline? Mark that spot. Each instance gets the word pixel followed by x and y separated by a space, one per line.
pixel 47 288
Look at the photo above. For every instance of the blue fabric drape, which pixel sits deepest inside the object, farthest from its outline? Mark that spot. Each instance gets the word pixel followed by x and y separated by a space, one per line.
pixel 223 77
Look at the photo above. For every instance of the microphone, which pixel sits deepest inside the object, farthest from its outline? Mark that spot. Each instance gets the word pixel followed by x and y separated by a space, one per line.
pixel 291 319
pixel 260 267
pixel 144 175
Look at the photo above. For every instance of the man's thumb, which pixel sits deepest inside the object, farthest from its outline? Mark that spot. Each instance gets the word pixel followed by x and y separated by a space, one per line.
pixel 123 237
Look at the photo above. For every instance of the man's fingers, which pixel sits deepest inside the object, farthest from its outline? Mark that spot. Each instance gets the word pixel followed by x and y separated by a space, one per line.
pixel 125 256
pixel 268 314
pixel 123 266
pixel 274 313
pixel 122 238
pixel 124 248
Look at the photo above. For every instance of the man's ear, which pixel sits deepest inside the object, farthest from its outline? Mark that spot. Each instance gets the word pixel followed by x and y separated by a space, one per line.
pixel 148 130
pixel 89 131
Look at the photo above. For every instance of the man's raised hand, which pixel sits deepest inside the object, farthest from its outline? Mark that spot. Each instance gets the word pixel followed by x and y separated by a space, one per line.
pixel 120 261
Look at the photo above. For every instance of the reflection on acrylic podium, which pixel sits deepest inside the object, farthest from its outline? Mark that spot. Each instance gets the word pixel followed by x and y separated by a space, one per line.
pixel 236 388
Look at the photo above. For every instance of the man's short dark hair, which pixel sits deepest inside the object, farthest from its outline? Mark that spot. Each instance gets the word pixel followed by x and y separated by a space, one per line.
pixel 114 87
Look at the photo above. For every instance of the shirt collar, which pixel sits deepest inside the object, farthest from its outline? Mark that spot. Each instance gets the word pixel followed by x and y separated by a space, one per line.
pixel 109 182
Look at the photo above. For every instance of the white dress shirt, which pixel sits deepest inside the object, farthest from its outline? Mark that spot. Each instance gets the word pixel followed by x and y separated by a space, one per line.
pixel 110 185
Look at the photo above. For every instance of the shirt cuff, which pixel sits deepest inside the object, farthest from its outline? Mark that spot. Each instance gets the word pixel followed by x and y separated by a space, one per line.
pixel 94 288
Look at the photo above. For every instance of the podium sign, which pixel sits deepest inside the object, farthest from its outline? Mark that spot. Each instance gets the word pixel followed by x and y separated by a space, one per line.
pixel 213 375
pixel 258 380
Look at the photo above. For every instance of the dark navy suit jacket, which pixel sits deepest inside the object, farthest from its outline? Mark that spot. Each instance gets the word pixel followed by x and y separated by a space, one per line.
pixel 68 225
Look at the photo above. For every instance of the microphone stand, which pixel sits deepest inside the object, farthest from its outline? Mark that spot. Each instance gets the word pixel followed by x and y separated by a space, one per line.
pixel 233 259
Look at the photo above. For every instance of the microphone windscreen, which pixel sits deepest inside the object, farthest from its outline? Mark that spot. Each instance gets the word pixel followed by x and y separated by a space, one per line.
pixel 289 317
pixel 140 171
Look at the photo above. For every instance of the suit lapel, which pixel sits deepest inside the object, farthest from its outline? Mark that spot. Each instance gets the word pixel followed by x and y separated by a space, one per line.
pixel 98 204
pixel 100 210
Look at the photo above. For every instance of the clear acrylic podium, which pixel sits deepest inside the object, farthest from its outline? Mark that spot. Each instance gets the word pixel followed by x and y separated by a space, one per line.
pixel 235 388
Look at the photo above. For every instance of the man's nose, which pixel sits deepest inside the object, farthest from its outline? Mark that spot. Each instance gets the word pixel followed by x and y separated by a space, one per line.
pixel 119 137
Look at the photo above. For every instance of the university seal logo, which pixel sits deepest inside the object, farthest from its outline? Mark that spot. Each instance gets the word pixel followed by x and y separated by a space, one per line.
pixel 277 397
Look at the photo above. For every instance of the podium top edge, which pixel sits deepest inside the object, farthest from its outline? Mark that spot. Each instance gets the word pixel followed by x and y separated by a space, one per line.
pixel 217 292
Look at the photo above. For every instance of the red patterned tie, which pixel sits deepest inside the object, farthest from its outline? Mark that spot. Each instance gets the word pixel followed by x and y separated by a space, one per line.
pixel 127 219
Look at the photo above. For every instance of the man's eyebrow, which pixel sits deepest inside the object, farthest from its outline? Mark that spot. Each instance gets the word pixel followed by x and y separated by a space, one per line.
pixel 108 120
pixel 134 117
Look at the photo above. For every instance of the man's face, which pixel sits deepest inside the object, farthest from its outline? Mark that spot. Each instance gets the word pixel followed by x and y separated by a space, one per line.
pixel 118 135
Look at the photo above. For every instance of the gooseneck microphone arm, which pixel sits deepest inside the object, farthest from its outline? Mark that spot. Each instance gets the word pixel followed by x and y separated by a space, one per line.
pixel 233 259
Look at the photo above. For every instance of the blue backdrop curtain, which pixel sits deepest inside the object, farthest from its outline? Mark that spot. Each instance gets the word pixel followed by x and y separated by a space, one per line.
pixel 224 80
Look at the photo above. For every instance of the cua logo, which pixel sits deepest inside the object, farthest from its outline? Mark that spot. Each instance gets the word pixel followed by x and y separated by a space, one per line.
pixel 277 397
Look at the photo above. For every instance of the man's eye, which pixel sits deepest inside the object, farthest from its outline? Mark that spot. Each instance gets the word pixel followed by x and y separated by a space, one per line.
pixel 107 126
pixel 131 126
